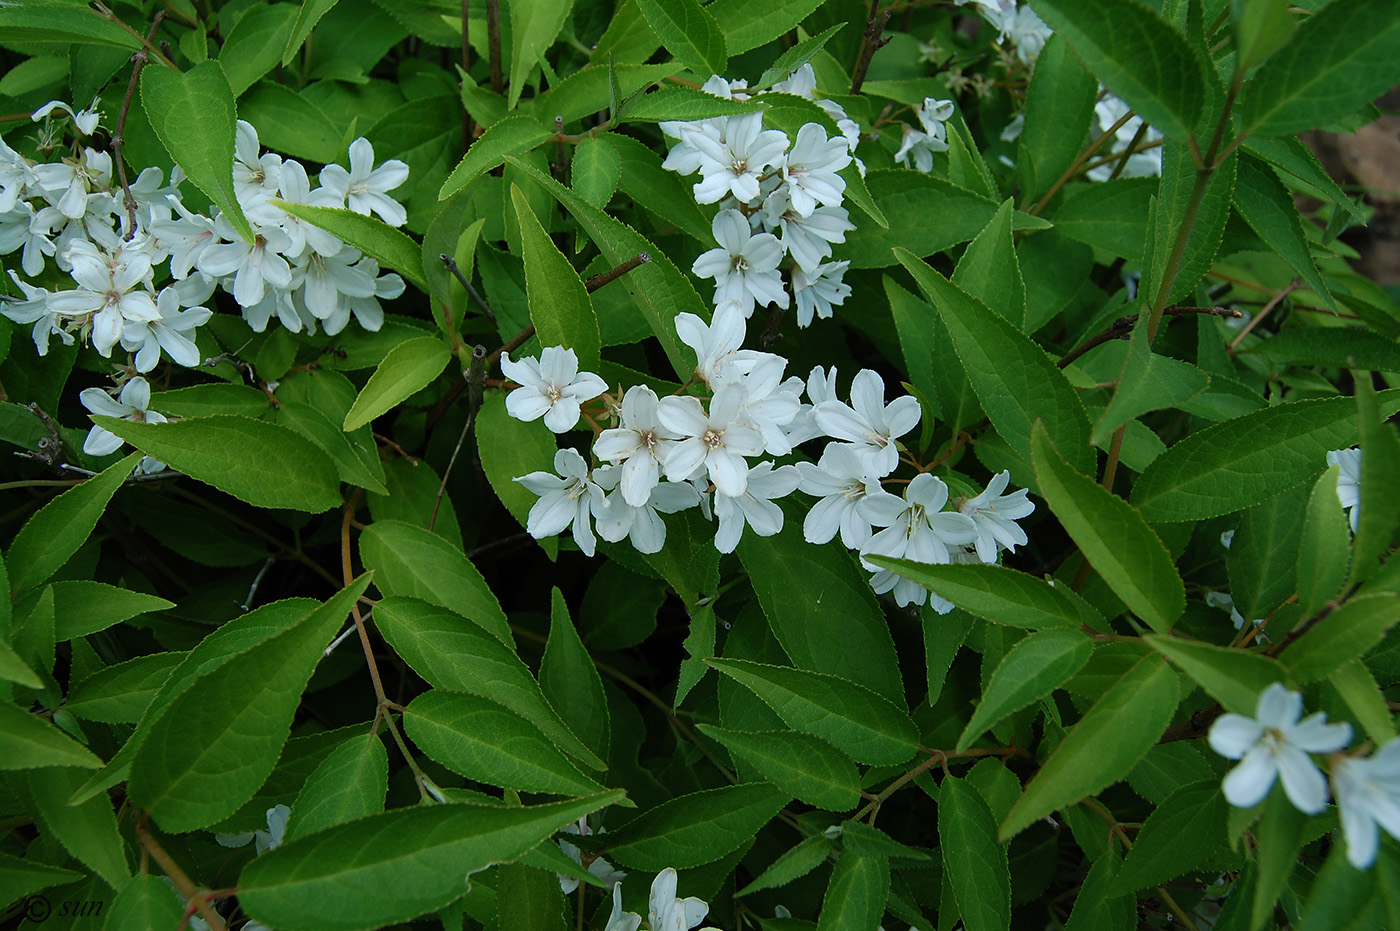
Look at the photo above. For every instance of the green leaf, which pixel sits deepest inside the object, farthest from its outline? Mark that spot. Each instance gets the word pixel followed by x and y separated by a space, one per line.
pixel 1281 833
pixel 989 271
pixel 1292 157
pixel 350 464
pixel 409 560
pixel 1031 669
pixel 820 607
pixel 1263 556
pixel 1113 536
pixel 457 655
pixel 1340 637
pixel 974 863
pixel 87 831
pixel 514 135
pixel 1174 196
pixel 533 27
pixel 262 463
pixel 809 854
pixel 691 830
pixel 349 783
pixel 1262 27
pixel 570 681
pixel 560 307
pixel 13 668
pixel 1178 837
pixel 659 288
pixel 1364 698
pixel 83 607
pixel 993 593
pixel 32 743
pixel 1138 56
pixel 1380 475
pixel 804 767
pixel 1247 460
pixel 59 528
pixel 1015 380
pixel 1106 743
pixel 595 170
pixel 120 693
pixel 1059 113
pixel 658 190
pixel 1150 382
pixel 193 115
pixel 1232 677
pixel 487 742
pixel 19 877
pixel 509 449
pixel 254 45
pixel 391 248
pixel 214 744
pixel 1341 59
pixel 145 901
pixel 855 894
pixel 307 17
pixel 792 59
pixel 409 367
pixel 1324 551
pixel 334 880
pixel 1111 216
pixel 864 725
pixel 682 103
pixel 747 26
pixel 63 22
pixel 690 32
pixel 907 199
pixel 1268 208
pixel 1333 347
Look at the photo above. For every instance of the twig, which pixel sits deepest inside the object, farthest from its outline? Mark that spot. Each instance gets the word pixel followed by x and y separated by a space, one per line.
pixel 1123 327
pixel 456 271
pixel 493 43
pixel 1274 301
pixel 1078 163
pixel 193 894
pixel 871 42
pixel 257 580
pixel 149 44
pixel 476 380
pixel 594 282
pixel 139 58
pixel 466 64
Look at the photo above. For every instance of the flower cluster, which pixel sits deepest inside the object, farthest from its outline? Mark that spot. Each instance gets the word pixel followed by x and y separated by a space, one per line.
pixel 74 211
pixel 1275 744
pixel 1018 26
pixel 682 451
pixel 921 145
pixel 779 198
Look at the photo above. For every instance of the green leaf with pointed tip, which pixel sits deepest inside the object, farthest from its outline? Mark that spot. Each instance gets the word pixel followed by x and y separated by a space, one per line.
pixel 864 725
pixel 907 198
pixel 1340 637
pixel 973 861
pixel 855 894
pixel 1106 743
pixel 1268 208
pixel 457 655
pixel 53 22
pixel 1029 671
pixel 59 528
pixel 748 25
pixel 395 866
pixel 1324 551
pixel 691 830
pixel 487 742
pixel 1341 58
pixel 570 680
pixel 1150 382
pixel 1113 536
pixel 349 783
pixel 1015 380
pixel 145 901
pixel 809 854
pixel 193 114
pixel 1136 55
pixel 1262 27
pixel 120 693
pixel 31 743
pixel 409 367
pixel 87 831
pixel 215 743
pixel 1232 677
pixel 1175 194
pixel 1181 835
pixel 255 44
pixel 659 288
pixel 989 271
pixel 1365 700
pixel 19 877
pixel 1244 461
pixel 1263 556
pixel 307 17
pixel 533 27
pixel 13 668
pixel 1331 347
pixel 510 448
pixel 84 607
pixel 350 465
pixel 794 58
pixel 690 33
pixel 1292 157
pixel 412 561
pixel 993 593
pixel 392 248
pixel 1059 112
pixel 1281 832
pixel 560 307
pixel 264 464
pixel 809 769
pixel 514 135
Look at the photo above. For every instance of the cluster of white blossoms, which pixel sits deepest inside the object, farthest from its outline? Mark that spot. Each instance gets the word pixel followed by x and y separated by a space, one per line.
pixel 779 198
pixel 1275 744
pixel 920 145
pixel 669 454
pixel 1018 26
pixel 73 210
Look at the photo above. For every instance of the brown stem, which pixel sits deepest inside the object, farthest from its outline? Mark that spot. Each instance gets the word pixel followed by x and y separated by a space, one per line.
pixel 1123 327
pixel 493 44
pixel 139 59
pixel 476 376
pixel 1267 309
pixel 871 42
pixel 466 64
pixel 1078 163
pixel 1198 725
pixel 595 282
pixel 193 894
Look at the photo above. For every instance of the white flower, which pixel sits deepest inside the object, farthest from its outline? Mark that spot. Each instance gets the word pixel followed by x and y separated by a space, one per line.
pixel 552 388
pixel 132 404
pixel 810 169
pixel 365 187
pixel 185 239
pixel 714 343
pixel 713 441
pixel 85 120
pixel 640 445
pixel 1109 110
pixel 1273 743
pixel 1349 482
pixel 567 499
pixel 35 309
pixel 995 515
pixel 620 920
pixel 255 177
pixel 819 290
pixel 745 266
pixel 807 238
pixel 755 506
pixel 600 868
pixel 665 912
pixel 868 422
pixel 328 281
pixel 295 188
pixel 114 290
pixel 16 174
pixel 31 230
pixel 733 164
pixel 75 179
pixel 263 840
pixel 254 265
pixel 172 331
pixel 368 313
pixel 1368 793
pixel 1028 32
pixel 841 480
pixel 916 528
pixel 932 115
pixel 641 524
pixel 1224 601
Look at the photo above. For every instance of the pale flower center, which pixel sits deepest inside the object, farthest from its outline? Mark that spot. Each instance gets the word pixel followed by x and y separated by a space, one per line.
pixel 713 438
pixel 554 393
